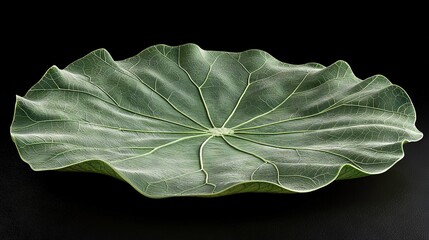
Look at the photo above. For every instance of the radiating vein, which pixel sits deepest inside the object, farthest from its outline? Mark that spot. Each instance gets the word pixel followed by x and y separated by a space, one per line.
pixel 106 126
pixel 123 108
pixel 92 148
pixel 256 156
pixel 249 75
pixel 300 176
pixel 273 109
pixel 206 180
pixel 99 88
pixel 301 148
pixel 159 147
pixel 198 87
pixel 395 128
pixel 196 187
pixel 338 104
pixel 375 108
pixel 170 178
pixel 210 70
pixel 133 75
pixel 80 147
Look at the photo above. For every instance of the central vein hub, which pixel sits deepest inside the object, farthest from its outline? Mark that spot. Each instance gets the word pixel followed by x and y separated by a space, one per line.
pixel 220 131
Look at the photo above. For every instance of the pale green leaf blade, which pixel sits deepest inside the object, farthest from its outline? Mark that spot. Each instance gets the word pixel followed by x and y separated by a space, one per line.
pixel 183 121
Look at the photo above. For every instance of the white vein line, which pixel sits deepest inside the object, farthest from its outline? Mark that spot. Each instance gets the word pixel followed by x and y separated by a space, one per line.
pixel 136 63
pixel 159 147
pixel 115 103
pixel 64 152
pixel 99 87
pixel 80 146
pixel 264 78
pixel 354 163
pixel 257 156
pixel 25 112
pixel 175 108
pixel 198 87
pixel 326 82
pixel 273 109
pixel 300 176
pixel 103 126
pixel 375 108
pixel 254 171
pixel 238 61
pixel 244 91
pixel 133 75
pixel 193 188
pixel 90 148
pixel 171 178
pixel 332 107
pixel 41 143
pixel 210 70
pixel 206 179
pixel 125 109
pixel 376 125
pixel 336 105
pixel 299 155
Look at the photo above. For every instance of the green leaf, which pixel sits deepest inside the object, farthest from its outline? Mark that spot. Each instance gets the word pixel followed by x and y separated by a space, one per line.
pixel 182 121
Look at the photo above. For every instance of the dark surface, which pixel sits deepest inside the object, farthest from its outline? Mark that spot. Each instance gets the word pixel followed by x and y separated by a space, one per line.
pixel 60 205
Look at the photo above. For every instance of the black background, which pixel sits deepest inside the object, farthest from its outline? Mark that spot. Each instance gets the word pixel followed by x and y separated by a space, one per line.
pixel 60 205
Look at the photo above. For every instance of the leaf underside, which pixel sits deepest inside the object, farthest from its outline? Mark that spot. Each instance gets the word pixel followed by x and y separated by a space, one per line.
pixel 182 121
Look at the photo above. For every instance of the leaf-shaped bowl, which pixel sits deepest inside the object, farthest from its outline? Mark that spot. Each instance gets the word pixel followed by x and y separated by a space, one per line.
pixel 182 121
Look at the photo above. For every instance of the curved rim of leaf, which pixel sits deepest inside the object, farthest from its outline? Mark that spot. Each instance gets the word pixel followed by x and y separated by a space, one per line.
pixel 232 187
